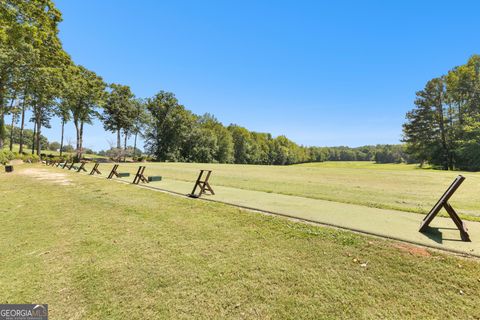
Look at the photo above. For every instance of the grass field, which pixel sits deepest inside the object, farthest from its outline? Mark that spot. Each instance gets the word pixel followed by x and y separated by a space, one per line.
pixel 388 186
pixel 96 249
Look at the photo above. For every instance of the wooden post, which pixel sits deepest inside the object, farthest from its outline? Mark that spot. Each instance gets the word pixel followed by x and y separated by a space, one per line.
pixel 202 184
pixel 443 202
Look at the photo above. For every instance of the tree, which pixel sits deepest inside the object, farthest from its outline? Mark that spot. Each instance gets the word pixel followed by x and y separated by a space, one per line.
pixel 120 113
pixel 390 154
pixel 68 148
pixel 427 131
pixel 27 135
pixel 83 94
pixel 444 126
pixel 169 127
pixel 54 146
pixel 223 149
pixel 200 146
pixel 262 145
pixel 118 110
pixel 44 92
pixel 22 122
pixel 28 44
pixel 140 121
pixel 14 111
pixel 63 112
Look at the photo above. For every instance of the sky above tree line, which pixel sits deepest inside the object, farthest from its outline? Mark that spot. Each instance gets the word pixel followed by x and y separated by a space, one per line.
pixel 323 73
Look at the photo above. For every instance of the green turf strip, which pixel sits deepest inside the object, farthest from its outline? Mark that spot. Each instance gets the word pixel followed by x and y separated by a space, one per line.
pixel 386 186
pixel 383 222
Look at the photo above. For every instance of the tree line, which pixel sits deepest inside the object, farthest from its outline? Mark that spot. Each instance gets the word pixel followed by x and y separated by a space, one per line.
pixel 36 74
pixel 444 127
pixel 226 150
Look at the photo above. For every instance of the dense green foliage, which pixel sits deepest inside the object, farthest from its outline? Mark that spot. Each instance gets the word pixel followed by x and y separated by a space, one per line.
pixel 83 93
pixel 119 111
pixel 7 155
pixel 31 61
pixel 36 74
pixel 27 136
pixel 444 127
pixel 176 134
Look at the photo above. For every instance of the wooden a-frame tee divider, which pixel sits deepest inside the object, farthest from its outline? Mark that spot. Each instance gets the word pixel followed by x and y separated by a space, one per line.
pixel 443 202
pixel 82 167
pixel 113 172
pixel 203 184
pixel 95 169
pixel 139 176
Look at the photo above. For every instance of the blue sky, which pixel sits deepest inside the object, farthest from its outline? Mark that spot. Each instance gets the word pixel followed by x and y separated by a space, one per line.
pixel 320 72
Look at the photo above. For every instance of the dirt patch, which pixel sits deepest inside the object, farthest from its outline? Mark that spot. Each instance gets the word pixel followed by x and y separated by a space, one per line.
pixel 15 162
pixel 413 250
pixel 45 175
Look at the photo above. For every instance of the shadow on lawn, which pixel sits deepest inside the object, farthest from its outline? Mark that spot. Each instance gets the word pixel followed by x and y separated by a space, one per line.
pixel 436 234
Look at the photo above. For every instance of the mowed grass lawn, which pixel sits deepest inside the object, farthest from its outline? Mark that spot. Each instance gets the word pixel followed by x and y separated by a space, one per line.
pixel 98 249
pixel 389 186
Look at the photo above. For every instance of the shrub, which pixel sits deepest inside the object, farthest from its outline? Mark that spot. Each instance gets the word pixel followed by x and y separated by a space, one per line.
pixel 54 146
pixel 68 148
pixel 88 151
pixel 30 158
pixel 468 157
pixel 6 156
